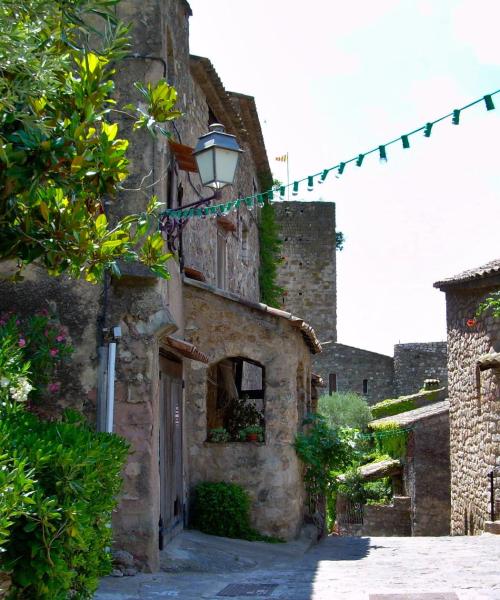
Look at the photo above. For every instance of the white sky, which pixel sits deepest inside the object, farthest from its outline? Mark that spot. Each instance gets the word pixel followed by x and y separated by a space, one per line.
pixel 333 79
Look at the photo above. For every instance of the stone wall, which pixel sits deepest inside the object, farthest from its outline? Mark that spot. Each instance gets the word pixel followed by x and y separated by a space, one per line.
pixel 413 363
pixel 351 366
pixel 270 472
pixel 386 377
pixel 474 406
pixel 308 270
pixel 387 520
pixel 427 475
pixel 241 246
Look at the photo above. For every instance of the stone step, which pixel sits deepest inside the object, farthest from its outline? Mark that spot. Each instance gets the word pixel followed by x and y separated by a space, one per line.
pixel 492 527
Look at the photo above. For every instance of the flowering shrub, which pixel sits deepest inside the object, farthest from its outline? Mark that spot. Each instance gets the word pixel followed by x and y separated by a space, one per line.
pixel 31 351
pixel 58 480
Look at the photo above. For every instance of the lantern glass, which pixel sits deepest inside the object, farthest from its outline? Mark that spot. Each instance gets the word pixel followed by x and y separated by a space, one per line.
pixel 206 166
pixel 226 162
pixel 217 154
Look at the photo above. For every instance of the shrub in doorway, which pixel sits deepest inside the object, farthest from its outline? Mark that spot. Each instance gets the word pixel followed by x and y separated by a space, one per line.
pixel 223 509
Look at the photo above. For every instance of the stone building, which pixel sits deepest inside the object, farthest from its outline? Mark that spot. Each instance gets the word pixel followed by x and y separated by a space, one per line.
pixel 308 275
pixel 379 376
pixel 307 272
pixel 239 335
pixel 416 362
pixel 420 479
pixel 346 368
pixel 168 346
pixel 474 394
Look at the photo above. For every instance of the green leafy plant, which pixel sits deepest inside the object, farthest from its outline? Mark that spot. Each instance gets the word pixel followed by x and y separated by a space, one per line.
pixel 61 158
pixel 224 509
pixel 379 491
pixel 67 478
pixel 324 451
pixel 239 414
pixel 252 430
pixel 270 250
pixel 390 438
pixel 491 304
pixel 218 435
pixel 345 409
pixel 359 491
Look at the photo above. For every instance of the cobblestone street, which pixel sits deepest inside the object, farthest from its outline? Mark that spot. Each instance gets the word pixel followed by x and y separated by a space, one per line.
pixel 339 568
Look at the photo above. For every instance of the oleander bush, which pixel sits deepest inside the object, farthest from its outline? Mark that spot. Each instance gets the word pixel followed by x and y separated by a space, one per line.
pixel 56 497
pixel 58 480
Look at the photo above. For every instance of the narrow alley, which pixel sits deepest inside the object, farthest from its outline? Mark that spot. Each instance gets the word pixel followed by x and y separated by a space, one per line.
pixel 338 568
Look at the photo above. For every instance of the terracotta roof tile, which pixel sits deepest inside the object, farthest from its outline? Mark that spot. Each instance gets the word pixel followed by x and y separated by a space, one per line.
pixel 488 270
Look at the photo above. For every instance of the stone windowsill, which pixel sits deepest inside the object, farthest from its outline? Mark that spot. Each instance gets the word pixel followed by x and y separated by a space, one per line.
pixel 226 444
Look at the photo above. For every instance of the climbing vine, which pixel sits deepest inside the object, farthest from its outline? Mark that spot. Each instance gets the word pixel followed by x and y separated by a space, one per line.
pixel 270 247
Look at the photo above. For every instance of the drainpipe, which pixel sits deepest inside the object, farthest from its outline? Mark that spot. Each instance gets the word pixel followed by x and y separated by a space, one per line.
pixel 117 333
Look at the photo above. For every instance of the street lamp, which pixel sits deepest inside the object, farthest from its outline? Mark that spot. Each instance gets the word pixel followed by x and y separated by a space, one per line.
pixel 217 154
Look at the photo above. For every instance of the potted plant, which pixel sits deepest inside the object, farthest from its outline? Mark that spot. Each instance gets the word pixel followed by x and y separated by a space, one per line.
pixel 252 433
pixel 218 435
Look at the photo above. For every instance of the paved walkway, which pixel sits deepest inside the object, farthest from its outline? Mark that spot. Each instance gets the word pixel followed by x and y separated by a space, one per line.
pixel 339 568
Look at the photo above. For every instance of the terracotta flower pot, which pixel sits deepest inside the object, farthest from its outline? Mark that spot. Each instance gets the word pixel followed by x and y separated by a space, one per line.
pixel 252 437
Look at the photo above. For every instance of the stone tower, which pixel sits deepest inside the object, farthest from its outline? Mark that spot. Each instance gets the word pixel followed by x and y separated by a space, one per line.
pixel 308 271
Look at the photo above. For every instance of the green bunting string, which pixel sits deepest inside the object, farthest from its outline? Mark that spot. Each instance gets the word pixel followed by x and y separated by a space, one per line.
pixel 323 176
pixel 489 102
pixel 268 196
pixel 428 129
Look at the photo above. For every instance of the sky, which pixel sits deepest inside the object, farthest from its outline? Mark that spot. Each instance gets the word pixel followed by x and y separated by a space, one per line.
pixel 334 79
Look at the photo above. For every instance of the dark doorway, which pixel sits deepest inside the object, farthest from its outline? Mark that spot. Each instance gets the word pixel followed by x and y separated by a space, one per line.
pixel 170 448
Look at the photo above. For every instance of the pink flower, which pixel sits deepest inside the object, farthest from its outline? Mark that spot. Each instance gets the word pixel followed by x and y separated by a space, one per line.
pixel 22 342
pixel 54 352
pixel 54 387
pixel 60 338
pixel 2 322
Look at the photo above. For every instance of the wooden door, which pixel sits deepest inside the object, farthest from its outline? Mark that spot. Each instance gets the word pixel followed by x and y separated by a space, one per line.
pixel 170 459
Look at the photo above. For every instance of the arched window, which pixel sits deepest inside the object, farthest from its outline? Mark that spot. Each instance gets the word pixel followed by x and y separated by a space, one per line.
pixel 236 401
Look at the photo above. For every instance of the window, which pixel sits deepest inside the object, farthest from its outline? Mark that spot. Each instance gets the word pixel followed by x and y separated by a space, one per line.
pixel 332 383
pixel 244 243
pixel 221 258
pixel 365 386
pixel 235 400
pixel 211 117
